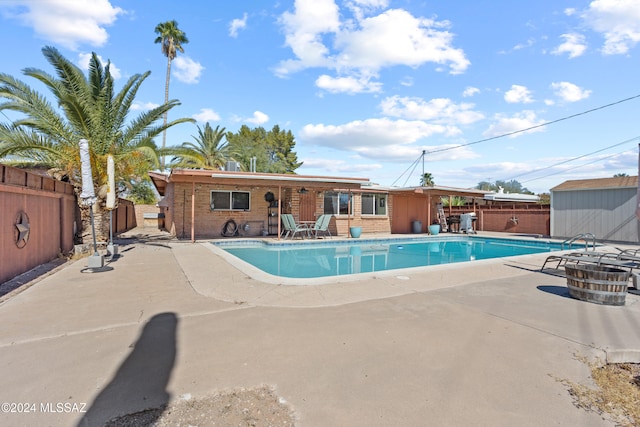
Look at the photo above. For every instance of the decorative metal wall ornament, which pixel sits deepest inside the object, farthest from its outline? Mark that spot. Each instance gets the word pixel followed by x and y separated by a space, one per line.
pixel 21 231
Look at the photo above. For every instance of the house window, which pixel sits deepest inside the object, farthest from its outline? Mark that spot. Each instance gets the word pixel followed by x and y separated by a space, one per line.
pixel 230 200
pixel 336 203
pixel 374 204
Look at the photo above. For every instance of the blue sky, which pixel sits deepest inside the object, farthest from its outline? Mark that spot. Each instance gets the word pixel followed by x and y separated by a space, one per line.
pixel 367 85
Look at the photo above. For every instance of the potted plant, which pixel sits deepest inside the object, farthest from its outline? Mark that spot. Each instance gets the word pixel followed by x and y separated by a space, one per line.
pixel 434 228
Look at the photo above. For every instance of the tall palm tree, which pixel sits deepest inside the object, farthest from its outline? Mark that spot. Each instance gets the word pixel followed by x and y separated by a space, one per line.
pixel 85 107
pixel 208 151
pixel 171 38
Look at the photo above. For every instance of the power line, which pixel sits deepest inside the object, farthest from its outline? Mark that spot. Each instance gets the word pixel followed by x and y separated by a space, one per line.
pixel 575 167
pixel 536 126
pixel 574 158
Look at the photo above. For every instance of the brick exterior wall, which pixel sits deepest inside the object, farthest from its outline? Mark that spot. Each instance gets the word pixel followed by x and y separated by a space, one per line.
pixel 176 205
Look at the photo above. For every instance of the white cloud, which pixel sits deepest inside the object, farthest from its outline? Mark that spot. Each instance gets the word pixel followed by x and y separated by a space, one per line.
pixel 146 106
pixel 237 25
pixel 569 92
pixel 618 21
pixel 206 115
pixel 383 139
pixel 338 166
pixel 407 81
pixel 304 29
pixel 357 47
pixel 517 122
pixel 258 118
pixel 439 110
pixel 470 91
pixel 348 85
pixel 574 45
pixel 83 62
pixel 396 37
pixel 186 69
pixel 68 23
pixel 518 94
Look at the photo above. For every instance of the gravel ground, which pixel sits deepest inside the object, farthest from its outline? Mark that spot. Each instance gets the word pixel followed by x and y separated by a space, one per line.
pixel 258 407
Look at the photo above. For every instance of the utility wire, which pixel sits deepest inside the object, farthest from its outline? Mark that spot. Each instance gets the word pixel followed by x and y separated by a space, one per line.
pixel 574 158
pixel 575 167
pixel 536 126
pixel 414 165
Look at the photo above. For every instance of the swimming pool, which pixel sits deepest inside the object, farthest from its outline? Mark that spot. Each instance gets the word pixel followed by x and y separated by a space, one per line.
pixel 338 258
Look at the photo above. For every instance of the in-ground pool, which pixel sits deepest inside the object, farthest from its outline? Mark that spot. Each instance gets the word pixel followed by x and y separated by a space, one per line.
pixel 336 258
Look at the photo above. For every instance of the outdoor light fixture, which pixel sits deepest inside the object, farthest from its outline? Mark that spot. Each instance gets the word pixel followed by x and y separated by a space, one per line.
pixel 303 191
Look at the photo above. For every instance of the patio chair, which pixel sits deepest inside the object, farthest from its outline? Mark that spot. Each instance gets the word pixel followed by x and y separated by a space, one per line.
pixel 625 260
pixel 291 228
pixel 321 226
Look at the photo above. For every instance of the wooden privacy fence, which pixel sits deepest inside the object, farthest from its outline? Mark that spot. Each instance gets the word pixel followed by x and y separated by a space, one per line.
pixel 39 218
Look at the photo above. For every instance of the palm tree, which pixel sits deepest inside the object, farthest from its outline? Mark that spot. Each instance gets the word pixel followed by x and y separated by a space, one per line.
pixel 206 153
pixel 85 107
pixel 426 180
pixel 171 38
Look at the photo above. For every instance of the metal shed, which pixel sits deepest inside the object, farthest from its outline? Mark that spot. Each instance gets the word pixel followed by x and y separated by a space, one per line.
pixel 604 207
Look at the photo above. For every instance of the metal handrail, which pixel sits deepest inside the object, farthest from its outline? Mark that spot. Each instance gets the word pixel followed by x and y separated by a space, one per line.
pixel 584 237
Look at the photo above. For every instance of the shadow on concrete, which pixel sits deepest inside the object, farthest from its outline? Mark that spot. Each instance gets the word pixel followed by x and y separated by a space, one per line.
pixel 141 381
pixel 30 277
pixel 561 291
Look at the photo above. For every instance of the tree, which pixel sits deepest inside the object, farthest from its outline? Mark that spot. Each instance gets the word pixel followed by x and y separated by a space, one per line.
pixel 512 186
pixel 86 107
pixel 171 38
pixel 426 180
pixel 141 192
pixel 454 200
pixel 208 151
pixel 273 150
pixel 620 175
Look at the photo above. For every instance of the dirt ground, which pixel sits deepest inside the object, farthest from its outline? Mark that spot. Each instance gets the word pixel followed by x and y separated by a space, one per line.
pixel 259 407
pixel 616 393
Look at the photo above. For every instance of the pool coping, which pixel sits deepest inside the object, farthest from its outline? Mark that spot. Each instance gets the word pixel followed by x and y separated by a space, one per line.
pixel 257 274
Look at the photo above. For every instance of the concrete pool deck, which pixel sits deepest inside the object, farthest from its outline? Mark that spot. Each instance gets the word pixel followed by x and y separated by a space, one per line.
pixel 482 343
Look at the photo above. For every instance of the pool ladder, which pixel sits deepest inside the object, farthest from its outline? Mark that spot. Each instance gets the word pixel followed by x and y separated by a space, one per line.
pixel 584 237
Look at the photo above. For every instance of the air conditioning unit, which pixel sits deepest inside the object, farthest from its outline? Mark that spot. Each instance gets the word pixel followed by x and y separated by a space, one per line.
pixel 233 166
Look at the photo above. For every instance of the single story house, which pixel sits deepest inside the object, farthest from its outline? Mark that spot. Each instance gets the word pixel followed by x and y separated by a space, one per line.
pixel 604 207
pixel 207 203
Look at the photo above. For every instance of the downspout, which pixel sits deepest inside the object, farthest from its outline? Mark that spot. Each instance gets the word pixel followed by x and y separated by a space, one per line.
pixel 193 211
pixel 349 214
pixel 279 209
pixel 428 210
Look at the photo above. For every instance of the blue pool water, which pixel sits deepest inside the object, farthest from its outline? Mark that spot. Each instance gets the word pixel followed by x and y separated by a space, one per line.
pixel 322 259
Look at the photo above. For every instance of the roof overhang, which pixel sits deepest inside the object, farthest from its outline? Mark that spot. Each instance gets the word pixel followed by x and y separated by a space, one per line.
pixel 440 191
pixel 512 197
pixel 162 179
pixel 290 178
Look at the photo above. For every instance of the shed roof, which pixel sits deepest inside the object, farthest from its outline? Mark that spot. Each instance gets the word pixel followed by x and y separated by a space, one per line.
pixel 598 183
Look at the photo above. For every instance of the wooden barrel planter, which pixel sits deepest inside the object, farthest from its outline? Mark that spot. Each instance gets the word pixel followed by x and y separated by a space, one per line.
pixel 597 283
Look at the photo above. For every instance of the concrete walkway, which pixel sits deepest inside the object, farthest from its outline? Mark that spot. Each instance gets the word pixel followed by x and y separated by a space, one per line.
pixel 484 343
